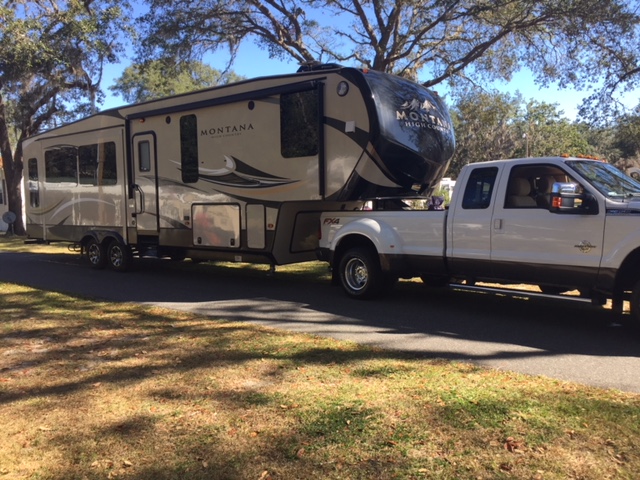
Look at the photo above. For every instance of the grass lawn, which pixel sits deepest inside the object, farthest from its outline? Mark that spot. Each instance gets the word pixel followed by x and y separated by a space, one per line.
pixel 98 390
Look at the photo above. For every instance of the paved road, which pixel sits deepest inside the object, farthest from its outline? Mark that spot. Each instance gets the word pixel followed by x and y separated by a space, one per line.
pixel 537 336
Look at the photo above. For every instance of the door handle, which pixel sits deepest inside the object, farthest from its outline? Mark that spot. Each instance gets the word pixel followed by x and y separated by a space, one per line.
pixel 497 224
pixel 140 204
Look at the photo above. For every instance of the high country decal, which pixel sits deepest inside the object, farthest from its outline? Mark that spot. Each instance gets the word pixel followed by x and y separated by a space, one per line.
pixel 421 114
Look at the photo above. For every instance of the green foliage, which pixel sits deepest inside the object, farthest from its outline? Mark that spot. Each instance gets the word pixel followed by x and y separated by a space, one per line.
pixel 546 132
pixel 53 55
pixel 484 126
pixel 161 78
pixel 576 43
pixel 492 125
pixel 627 136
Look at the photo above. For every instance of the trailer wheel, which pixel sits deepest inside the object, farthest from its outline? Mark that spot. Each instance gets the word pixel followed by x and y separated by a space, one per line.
pixel 119 256
pixel 360 273
pixel 96 254
pixel 634 302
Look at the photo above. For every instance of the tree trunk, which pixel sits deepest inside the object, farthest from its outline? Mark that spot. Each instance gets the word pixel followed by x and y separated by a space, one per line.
pixel 12 171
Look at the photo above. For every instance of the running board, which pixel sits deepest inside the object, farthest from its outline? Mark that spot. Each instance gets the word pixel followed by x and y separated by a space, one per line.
pixel 511 292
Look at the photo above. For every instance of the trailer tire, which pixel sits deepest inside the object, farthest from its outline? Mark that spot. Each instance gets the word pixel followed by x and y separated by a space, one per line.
pixel 96 254
pixel 360 273
pixel 634 302
pixel 119 256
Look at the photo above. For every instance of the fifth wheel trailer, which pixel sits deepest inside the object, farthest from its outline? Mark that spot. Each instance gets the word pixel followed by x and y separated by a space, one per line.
pixel 239 172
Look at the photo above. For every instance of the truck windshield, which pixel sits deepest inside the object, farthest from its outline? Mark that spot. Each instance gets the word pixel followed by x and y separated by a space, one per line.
pixel 607 179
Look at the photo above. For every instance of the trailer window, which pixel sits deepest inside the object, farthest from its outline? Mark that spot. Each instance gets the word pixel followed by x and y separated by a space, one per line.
pixel 189 148
pixel 61 165
pixel 97 164
pixel 144 155
pixel 34 186
pixel 299 114
pixel 477 194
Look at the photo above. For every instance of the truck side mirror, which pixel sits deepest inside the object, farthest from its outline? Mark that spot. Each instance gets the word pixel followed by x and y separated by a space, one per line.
pixel 569 198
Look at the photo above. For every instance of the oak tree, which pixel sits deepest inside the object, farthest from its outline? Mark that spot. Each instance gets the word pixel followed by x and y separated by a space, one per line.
pixel 53 54
pixel 576 43
pixel 160 78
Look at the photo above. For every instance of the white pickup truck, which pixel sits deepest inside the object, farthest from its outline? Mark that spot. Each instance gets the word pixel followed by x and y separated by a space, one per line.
pixel 560 223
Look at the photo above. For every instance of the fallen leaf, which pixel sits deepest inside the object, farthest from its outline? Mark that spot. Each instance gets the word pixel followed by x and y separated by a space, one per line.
pixel 300 452
pixel 514 446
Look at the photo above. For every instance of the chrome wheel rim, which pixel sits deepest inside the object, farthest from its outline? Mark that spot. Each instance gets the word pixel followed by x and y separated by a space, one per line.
pixel 116 256
pixel 356 274
pixel 94 254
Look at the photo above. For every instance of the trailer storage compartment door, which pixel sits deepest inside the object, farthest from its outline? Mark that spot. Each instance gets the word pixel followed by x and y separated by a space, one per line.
pixel 216 225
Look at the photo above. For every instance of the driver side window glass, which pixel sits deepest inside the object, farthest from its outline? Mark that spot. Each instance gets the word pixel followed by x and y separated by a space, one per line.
pixel 477 194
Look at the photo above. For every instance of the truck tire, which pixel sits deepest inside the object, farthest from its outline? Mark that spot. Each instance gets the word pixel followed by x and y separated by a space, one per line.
pixel 360 273
pixel 96 254
pixel 119 256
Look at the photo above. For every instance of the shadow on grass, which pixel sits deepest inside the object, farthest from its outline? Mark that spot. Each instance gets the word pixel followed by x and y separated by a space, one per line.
pixel 157 394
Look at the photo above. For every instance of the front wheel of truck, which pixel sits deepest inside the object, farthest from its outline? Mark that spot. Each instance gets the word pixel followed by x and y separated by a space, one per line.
pixel 360 273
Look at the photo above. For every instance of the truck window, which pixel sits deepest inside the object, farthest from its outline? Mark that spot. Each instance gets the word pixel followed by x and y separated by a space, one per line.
pixel 477 193
pixel 189 148
pixel 299 124
pixel 530 186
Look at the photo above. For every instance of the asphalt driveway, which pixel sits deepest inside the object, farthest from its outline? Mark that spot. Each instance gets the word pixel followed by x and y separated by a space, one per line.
pixel 558 339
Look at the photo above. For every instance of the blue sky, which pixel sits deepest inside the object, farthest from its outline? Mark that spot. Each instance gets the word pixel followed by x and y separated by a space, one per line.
pixel 254 62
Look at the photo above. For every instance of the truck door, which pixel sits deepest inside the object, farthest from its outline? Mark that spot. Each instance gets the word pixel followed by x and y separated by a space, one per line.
pixel 145 189
pixel 533 245
pixel 469 234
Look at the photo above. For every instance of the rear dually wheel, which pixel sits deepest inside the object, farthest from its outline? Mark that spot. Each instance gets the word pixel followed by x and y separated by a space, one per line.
pixel 360 273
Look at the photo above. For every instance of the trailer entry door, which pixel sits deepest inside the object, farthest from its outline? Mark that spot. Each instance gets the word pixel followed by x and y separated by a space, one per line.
pixel 145 184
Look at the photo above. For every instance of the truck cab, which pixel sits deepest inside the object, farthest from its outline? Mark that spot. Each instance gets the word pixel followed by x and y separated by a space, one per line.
pixel 559 223
pixel 502 225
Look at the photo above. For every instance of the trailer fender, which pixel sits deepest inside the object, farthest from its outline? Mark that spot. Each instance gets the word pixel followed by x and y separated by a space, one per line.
pixel 101 236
